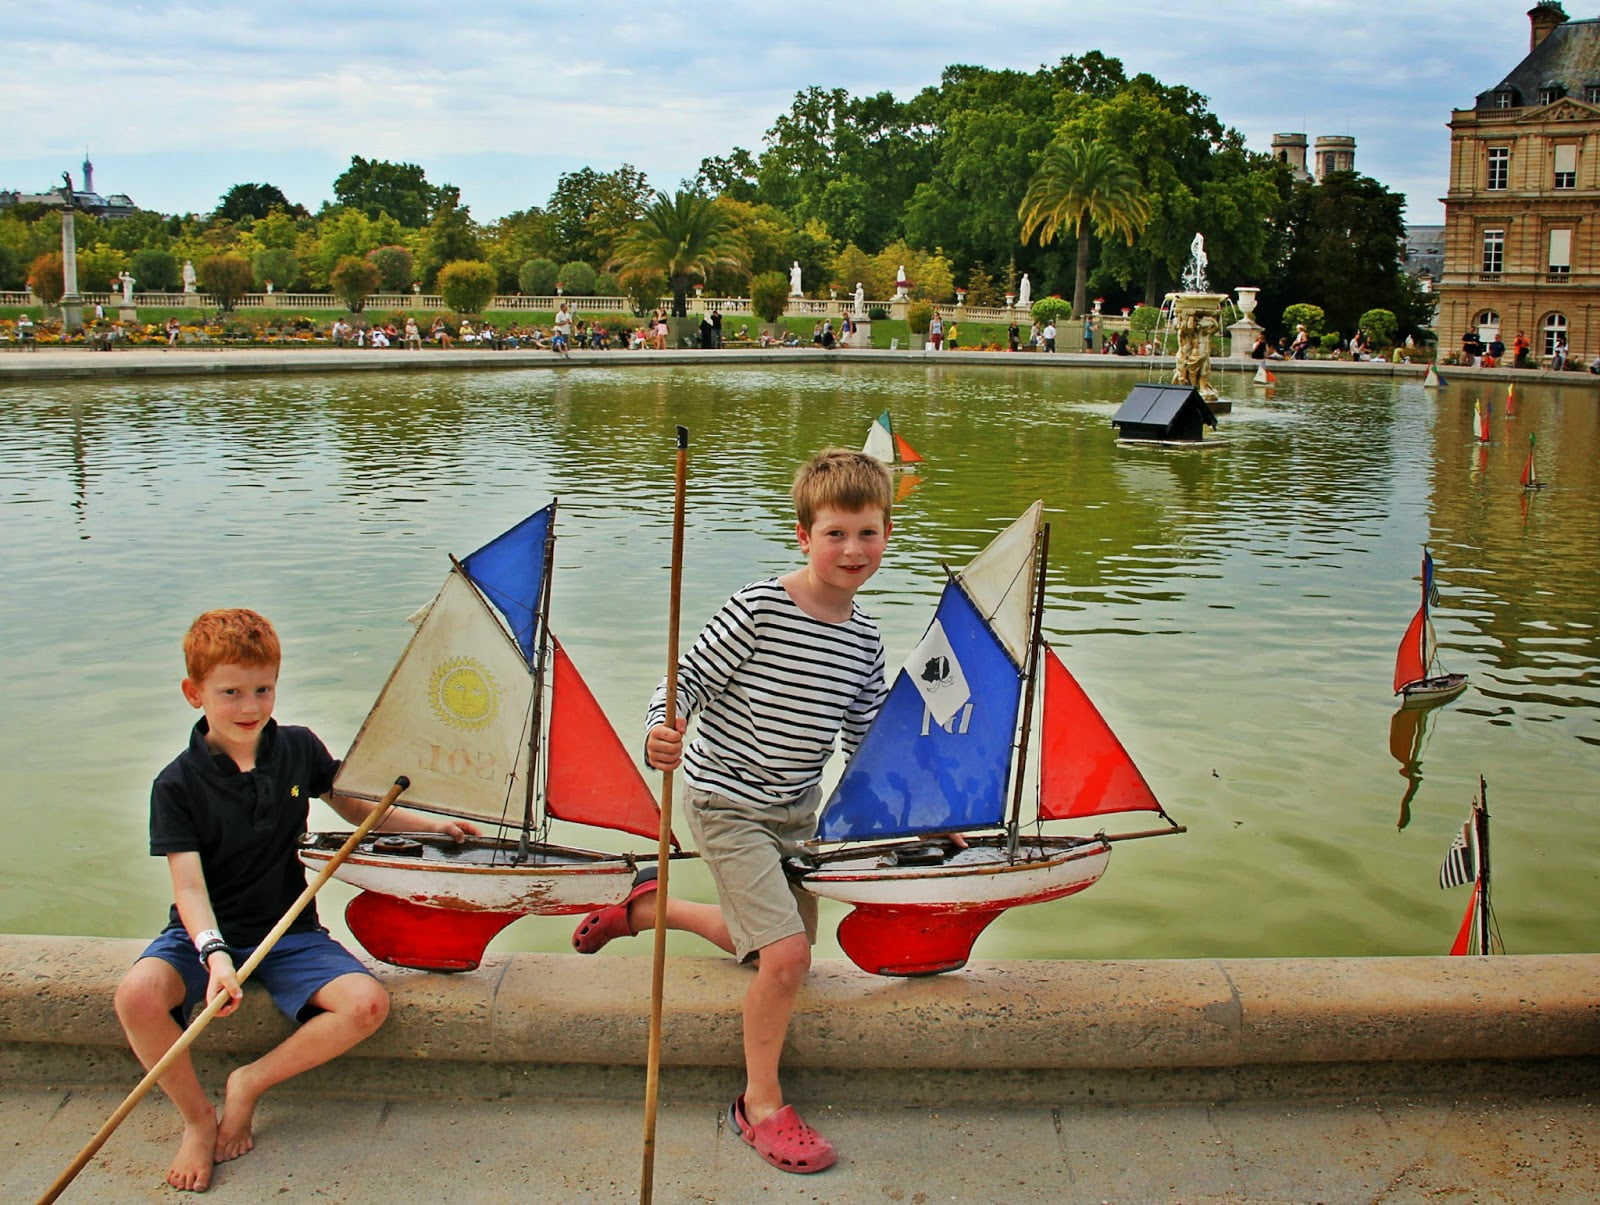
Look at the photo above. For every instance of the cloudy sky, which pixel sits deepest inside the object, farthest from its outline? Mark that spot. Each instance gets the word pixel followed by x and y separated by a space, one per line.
pixel 176 102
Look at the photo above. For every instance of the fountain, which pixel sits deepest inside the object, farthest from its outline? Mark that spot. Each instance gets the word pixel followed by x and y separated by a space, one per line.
pixel 1197 316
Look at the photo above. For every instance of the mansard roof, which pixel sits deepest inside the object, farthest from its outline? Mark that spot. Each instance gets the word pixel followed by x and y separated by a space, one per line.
pixel 1568 59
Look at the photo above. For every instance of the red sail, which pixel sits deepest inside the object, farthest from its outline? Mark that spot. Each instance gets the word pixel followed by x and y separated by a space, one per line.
pixel 1409 665
pixel 1529 475
pixel 1463 941
pixel 590 778
pixel 1083 768
pixel 908 454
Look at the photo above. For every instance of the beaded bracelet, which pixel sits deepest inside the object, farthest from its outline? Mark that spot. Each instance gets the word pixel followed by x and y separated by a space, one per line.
pixel 212 947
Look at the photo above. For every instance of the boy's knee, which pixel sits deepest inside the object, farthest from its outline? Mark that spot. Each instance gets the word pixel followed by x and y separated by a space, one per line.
pixel 789 957
pixel 369 1002
pixel 150 988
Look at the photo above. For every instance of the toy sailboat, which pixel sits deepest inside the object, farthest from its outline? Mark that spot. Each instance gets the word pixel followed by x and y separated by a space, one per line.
pixel 1432 380
pixel 1530 472
pixel 1480 421
pixel 949 747
pixel 1263 377
pixel 464 716
pixel 1417 674
pixel 1468 862
pixel 885 445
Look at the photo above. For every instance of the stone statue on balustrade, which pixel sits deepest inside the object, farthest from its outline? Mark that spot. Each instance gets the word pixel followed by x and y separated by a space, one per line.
pixel 188 276
pixel 860 307
pixel 127 283
pixel 794 280
pixel 1025 292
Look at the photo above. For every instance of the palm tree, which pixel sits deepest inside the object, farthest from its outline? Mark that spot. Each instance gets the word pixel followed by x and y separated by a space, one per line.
pixel 1082 184
pixel 682 236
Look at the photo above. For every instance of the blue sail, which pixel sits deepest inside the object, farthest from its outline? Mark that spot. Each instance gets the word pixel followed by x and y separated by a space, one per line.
pixel 911 775
pixel 509 569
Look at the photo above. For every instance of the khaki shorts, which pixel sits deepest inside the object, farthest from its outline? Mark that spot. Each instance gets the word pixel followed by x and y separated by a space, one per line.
pixel 744 845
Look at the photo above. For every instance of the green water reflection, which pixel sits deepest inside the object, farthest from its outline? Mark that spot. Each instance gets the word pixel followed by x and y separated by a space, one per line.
pixel 1234 611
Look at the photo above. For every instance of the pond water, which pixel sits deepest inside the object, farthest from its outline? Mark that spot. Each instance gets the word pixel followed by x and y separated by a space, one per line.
pixel 1233 611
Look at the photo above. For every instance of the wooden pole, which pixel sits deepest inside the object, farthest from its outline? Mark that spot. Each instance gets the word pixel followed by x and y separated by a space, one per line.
pixel 197 1026
pixel 652 1078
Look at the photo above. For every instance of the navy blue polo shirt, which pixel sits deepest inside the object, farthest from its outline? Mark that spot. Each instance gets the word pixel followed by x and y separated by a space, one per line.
pixel 246 827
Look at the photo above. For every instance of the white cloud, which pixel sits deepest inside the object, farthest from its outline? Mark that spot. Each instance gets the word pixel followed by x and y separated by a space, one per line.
pixel 177 102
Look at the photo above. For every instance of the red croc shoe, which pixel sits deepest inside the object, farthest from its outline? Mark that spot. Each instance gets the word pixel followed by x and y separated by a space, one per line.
pixel 601 925
pixel 784 1139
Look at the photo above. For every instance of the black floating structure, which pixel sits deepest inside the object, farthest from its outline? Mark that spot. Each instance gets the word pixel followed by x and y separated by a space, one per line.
pixel 1169 413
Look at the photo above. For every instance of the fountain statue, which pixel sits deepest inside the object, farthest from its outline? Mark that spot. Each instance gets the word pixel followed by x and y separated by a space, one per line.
pixel 1197 315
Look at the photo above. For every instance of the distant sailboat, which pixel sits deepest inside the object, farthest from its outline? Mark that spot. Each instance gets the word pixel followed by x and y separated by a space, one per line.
pixel 1417 674
pixel 491 721
pixel 1468 862
pixel 1480 421
pixel 1432 380
pixel 1530 472
pixel 1263 377
pixel 1511 399
pixel 885 445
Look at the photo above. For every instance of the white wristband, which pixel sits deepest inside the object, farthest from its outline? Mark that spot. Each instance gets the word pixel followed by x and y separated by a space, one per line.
pixel 205 937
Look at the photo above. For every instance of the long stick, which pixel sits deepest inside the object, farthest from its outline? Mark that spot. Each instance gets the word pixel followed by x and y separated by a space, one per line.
pixel 188 1036
pixel 652 1078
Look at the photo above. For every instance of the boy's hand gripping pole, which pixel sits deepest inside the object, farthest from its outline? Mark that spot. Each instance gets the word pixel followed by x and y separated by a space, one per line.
pixel 652 1081
pixel 197 1026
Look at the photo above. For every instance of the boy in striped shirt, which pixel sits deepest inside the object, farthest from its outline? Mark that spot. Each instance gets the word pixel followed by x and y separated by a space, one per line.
pixel 786 667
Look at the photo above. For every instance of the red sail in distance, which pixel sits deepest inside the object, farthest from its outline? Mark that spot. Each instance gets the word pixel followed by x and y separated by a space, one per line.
pixel 908 454
pixel 1530 475
pixel 590 779
pixel 1409 663
pixel 1083 768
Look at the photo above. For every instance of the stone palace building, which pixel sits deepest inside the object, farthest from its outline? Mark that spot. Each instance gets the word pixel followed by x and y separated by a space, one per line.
pixel 1522 216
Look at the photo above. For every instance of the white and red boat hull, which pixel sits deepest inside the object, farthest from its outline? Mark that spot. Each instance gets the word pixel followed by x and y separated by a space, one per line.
pixel 913 919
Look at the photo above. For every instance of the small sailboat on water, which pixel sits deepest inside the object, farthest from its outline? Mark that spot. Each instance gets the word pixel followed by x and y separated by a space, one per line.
pixel 1480 421
pixel 1418 676
pixel 1530 471
pixel 1468 862
pixel 916 836
pixel 883 443
pixel 489 718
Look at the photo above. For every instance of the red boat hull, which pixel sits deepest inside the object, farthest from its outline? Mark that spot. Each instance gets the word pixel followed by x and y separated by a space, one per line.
pixel 423 938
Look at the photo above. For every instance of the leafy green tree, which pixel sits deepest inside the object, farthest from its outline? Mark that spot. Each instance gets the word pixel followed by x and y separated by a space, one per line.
pixel 467 285
pixel 45 277
pixel 353 281
pixel 277 264
pixel 1050 309
pixel 577 278
pixel 249 202
pixel 11 272
pixel 1303 313
pixel 156 270
pixel 769 295
pixel 450 237
pixel 607 285
pixel 919 316
pixel 395 266
pixel 1344 239
pixel 1381 326
pixel 592 211
pixel 516 239
pixel 226 277
pixel 344 233
pixel 99 267
pixel 1079 186
pixel 538 277
pixel 401 190
pixel 681 237
pixel 138 231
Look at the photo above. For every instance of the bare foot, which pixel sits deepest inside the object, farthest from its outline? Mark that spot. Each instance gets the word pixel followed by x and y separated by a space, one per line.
pixel 238 1112
pixel 191 1169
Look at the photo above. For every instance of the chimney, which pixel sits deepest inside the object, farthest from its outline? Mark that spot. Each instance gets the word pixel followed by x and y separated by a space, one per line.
pixel 1543 18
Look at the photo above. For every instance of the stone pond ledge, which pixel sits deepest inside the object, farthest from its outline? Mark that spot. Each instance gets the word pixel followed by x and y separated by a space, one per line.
pixel 997 1032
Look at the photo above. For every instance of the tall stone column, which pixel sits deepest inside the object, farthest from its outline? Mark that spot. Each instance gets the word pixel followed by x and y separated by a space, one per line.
pixel 71 303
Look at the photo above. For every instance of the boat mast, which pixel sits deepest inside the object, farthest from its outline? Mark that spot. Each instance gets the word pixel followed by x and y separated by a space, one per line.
pixel 542 660
pixel 1480 823
pixel 1041 552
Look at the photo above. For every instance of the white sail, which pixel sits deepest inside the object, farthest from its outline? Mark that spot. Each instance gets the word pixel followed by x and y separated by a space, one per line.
pixel 453 716
pixel 1000 581
pixel 880 443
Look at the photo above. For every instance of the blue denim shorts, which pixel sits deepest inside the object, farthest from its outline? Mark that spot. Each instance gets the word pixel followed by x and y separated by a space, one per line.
pixel 295 969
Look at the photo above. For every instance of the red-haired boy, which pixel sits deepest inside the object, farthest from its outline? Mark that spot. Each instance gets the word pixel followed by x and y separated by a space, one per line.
pixel 227 814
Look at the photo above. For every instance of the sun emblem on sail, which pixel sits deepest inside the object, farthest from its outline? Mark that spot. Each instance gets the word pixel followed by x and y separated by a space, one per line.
pixel 464 694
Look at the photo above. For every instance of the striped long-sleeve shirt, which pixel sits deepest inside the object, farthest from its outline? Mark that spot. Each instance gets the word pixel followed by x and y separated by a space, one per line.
pixel 772 688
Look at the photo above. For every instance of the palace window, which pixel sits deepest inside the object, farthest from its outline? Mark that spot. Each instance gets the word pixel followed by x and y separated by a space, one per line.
pixel 1487 324
pixel 1566 160
pixel 1499 168
pixel 1560 254
pixel 1591 94
pixel 1505 99
pixel 1554 325
pixel 1550 93
pixel 1494 252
